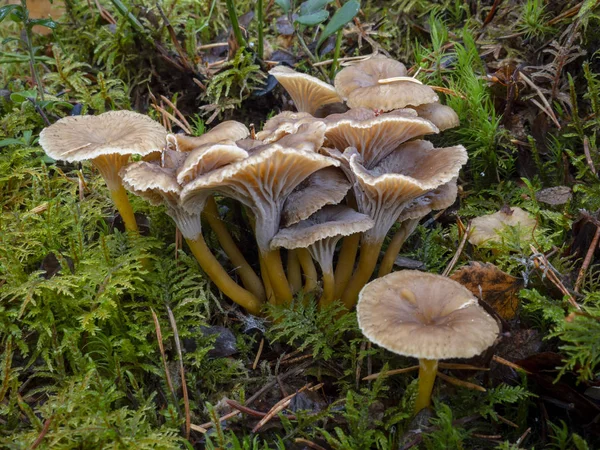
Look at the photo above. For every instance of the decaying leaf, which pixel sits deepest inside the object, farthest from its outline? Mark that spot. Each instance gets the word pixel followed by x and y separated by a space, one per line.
pixel 495 287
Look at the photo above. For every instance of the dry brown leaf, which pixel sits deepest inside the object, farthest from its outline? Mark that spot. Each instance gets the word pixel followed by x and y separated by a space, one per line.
pixel 497 288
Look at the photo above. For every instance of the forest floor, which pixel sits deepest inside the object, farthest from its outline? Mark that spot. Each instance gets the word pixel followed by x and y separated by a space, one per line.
pixel 98 329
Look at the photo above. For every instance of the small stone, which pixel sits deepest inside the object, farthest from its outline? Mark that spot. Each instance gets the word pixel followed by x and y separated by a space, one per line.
pixel 558 195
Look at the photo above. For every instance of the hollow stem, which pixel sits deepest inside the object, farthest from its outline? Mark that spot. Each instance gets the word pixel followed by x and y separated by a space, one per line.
pixel 427 374
pixel 309 269
pixel 293 271
pixel 328 289
pixel 277 277
pixel 121 201
pixel 405 230
pixel 345 264
pixel 221 278
pixel 249 278
pixel 369 252
pixel 267 283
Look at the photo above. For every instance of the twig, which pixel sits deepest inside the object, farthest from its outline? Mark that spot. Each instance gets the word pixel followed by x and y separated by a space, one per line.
pixel 186 400
pixel 523 436
pixel 163 356
pixel 176 111
pixel 172 117
pixel 492 13
pixel 568 13
pixel 390 373
pixel 588 156
pixel 43 433
pixel 458 251
pixel 461 383
pixel 182 55
pixel 487 436
pixel 213 45
pixel 588 259
pixel 507 363
pixel 541 262
pixel 253 412
pixel 260 349
pixel 506 421
pixel 282 377
pixel 548 108
pixel 308 443
pixel 278 407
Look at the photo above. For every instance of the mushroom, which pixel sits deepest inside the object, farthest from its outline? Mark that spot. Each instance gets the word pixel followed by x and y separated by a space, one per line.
pixel 284 123
pixel 230 130
pixel 487 228
pixel 108 140
pixel 308 93
pixel 383 192
pixel 381 84
pixel 320 234
pixel 262 182
pixel 208 157
pixel 425 316
pixel 158 185
pixel 375 136
pixel 442 116
pixel 440 198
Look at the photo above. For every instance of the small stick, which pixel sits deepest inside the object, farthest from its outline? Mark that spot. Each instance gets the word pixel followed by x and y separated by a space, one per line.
pixel 456 366
pixel 568 13
pixel 253 412
pixel 43 433
pixel 308 443
pixel 461 383
pixel 163 356
pixel 444 90
pixel 588 259
pixel 173 118
pixel 507 363
pixel 213 45
pixel 391 372
pixel 523 436
pixel 506 421
pixel 186 400
pixel 260 349
pixel 588 156
pixel 205 426
pixel 341 60
pixel 487 436
pixel 458 251
pixel 541 262
pixel 278 407
pixel 294 360
pixel 176 111
pixel 548 109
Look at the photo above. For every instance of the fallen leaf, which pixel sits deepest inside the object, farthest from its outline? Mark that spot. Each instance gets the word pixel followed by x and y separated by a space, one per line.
pixel 495 287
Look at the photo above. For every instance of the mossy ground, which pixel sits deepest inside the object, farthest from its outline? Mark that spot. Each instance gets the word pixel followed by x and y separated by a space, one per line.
pixel 81 365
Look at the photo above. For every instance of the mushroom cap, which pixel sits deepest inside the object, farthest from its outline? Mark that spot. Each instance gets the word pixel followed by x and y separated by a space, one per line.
pixel 440 198
pixel 324 187
pixel 367 73
pixel 486 228
pixel 284 123
pixel 153 183
pixel 374 137
pixel 308 137
pixel 80 138
pixel 209 157
pixel 425 316
pixel 230 130
pixel 329 221
pixel 360 85
pixel 262 182
pixel 308 93
pixel 442 116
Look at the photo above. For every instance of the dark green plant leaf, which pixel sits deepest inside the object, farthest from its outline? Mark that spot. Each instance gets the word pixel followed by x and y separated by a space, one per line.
pixel 313 6
pixel 44 23
pixel 341 17
pixel 15 11
pixel 313 19
pixel 284 4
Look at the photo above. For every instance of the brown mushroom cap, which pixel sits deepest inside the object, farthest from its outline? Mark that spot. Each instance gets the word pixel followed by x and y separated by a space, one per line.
pixel 324 187
pixel 209 157
pixel 410 171
pixel 321 232
pixel 308 93
pixel 262 182
pixel 230 130
pixel 365 85
pixel 374 137
pixel 425 316
pixel 284 123
pixel 440 198
pixel 486 228
pixel 442 116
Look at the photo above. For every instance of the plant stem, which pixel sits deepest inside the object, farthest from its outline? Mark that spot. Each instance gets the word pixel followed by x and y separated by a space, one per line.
pixel 122 204
pixel 309 269
pixel 405 230
pixel 328 289
pixel 277 277
pixel 34 72
pixel 221 278
pixel 293 271
pixel 369 252
pixel 235 25
pixel 345 264
pixel 427 374
pixel 336 53
pixel 251 281
pixel 260 20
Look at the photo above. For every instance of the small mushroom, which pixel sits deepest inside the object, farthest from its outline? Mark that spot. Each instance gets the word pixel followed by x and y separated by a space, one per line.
pixel 487 228
pixel 441 116
pixel 208 157
pixel 320 233
pixel 425 316
pixel 107 140
pixel 230 130
pixel 308 93
pixel 381 84
pixel 284 123
pixel 158 185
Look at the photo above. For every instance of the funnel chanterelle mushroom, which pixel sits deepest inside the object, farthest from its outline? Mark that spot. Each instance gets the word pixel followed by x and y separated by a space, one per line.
pixel 425 316
pixel 108 140
pixel 230 130
pixel 487 228
pixel 380 83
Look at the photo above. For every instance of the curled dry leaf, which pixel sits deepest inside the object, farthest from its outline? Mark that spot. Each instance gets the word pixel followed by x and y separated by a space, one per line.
pixel 497 288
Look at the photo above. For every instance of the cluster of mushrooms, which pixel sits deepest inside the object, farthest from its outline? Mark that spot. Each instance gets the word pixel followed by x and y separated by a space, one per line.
pixel 306 181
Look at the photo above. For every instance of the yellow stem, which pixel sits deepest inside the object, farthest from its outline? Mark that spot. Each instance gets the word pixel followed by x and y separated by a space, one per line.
pixel 345 263
pixel 293 271
pixel 369 252
pixel 221 278
pixel 122 204
pixel 267 283
pixel 427 374
pixel 328 289
pixel 251 281
pixel 309 269
pixel 405 230
pixel 277 277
